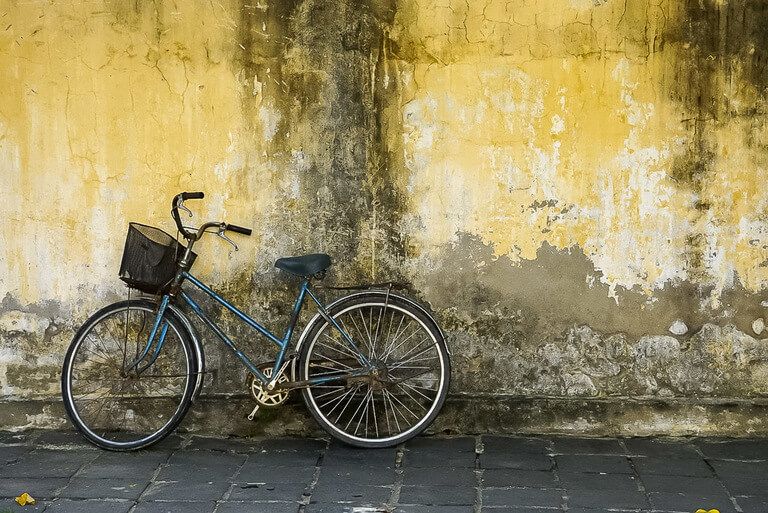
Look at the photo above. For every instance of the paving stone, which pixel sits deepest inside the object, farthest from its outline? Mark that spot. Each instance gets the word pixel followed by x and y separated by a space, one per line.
pixel 740 469
pixel 580 481
pixel 661 448
pixel 734 449
pixel 438 509
pixel 48 463
pixel 343 455
pixel 10 506
pixel 88 488
pixel 244 491
pixel 12 453
pixel 360 475
pixel 746 485
pixel 691 501
pixel 175 507
pixel 186 472
pixel 89 506
pixel 258 507
pixel 207 459
pixel 753 504
pixel 439 476
pixel 624 499
pixel 591 510
pixel 593 463
pixel 267 459
pixel 455 444
pixel 503 477
pixel 587 446
pixel 345 507
pixel 191 490
pixel 292 444
pixel 520 461
pixel 237 445
pixel 438 495
pixel 672 467
pixel 430 459
pixel 120 464
pixel 259 474
pixel 696 485
pixel 519 497
pixel 350 492
pixel 39 488
pixel 515 444
pixel 528 510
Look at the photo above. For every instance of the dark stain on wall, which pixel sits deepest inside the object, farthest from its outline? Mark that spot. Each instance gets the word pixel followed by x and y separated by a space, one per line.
pixel 720 73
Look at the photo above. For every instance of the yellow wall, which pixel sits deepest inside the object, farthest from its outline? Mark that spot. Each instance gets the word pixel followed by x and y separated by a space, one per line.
pixel 105 114
pixel 559 179
pixel 570 122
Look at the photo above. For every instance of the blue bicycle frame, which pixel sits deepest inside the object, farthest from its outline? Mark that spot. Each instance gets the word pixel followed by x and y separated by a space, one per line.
pixel 282 343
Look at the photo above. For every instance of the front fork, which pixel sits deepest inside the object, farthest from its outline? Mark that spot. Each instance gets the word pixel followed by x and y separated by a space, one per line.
pixel 160 325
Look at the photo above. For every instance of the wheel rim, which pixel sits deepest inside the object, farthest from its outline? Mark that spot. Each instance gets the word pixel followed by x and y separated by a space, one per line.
pixel 120 409
pixel 404 350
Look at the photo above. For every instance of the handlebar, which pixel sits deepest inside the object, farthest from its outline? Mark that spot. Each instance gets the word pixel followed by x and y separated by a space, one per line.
pixel 178 203
pixel 238 229
pixel 192 195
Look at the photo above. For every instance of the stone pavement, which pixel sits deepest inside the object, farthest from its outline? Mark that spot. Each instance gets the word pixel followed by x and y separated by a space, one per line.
pixel 490 474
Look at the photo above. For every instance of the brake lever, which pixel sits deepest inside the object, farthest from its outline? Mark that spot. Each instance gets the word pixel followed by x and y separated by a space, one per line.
pixel 221 234
pixel 180 206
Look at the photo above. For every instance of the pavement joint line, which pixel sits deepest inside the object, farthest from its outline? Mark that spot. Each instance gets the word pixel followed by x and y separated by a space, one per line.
pixel 306 497
pixel 479 449
pixel 636 474
pixel 228 492
pixel 152 480
pixel 394 497
pixel 720 481
pixel 79 469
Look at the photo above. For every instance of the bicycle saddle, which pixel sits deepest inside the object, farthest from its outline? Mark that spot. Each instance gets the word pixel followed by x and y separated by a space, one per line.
pixel 305 265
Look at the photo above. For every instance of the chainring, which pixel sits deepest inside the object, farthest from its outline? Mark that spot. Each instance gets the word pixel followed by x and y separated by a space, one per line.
pixel 264 397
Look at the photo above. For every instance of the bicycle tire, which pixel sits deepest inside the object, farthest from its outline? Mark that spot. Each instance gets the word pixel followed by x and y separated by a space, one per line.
pixel 145 439
pixel 386 305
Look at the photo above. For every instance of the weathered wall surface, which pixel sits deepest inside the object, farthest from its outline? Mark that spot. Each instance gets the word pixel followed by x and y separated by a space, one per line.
pixel 562 180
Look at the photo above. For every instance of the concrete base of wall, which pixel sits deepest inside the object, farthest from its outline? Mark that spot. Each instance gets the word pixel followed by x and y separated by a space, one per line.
pixel 595 417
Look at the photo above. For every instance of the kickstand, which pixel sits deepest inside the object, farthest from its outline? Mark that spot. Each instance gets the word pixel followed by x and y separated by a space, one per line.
pixel 253 413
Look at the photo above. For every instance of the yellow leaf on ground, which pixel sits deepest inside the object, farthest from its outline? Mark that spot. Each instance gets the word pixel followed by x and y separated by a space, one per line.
pixel 25 499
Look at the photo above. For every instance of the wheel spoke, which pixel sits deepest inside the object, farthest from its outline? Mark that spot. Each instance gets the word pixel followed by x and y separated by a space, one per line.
pixel 399 396
pixel 119 408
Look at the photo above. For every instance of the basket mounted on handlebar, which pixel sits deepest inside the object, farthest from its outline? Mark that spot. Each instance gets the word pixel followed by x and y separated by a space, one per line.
pixel 150 258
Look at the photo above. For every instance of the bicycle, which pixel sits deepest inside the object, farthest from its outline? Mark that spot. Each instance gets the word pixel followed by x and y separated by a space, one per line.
pixel 373 366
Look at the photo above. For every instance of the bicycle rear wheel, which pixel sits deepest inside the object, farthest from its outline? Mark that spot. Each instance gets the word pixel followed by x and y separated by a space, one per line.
pixel 120 409
pixel 408 386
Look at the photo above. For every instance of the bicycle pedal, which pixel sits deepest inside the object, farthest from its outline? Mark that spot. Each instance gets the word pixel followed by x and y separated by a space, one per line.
pixel 253 413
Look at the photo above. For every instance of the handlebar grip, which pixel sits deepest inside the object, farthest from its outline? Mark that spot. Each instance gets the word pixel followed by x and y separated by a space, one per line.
pixel 239 229
pixel 192 195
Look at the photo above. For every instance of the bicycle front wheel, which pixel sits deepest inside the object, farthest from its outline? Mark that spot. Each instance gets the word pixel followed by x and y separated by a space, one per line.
pixel 118 408
pixel 403 393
